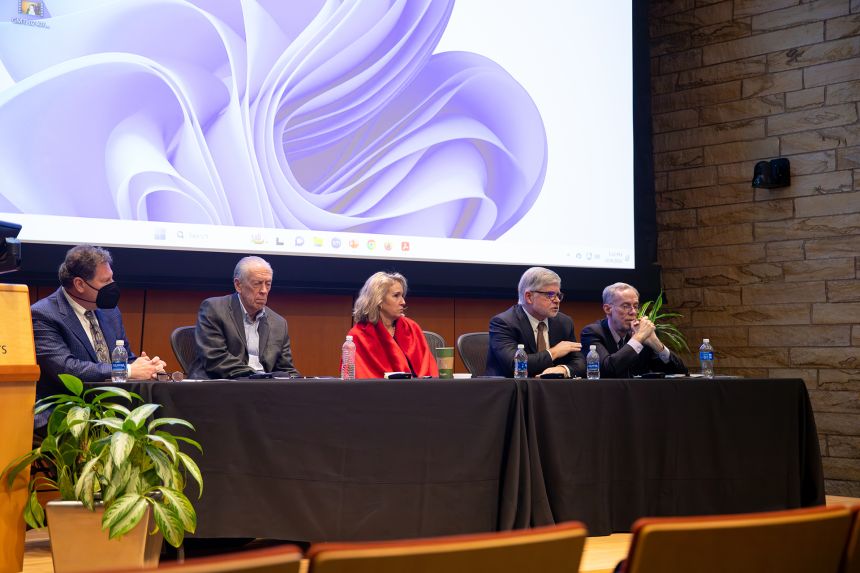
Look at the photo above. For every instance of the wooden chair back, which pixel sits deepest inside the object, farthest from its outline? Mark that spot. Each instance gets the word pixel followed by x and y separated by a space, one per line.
pixel 789 541
pixel 551 549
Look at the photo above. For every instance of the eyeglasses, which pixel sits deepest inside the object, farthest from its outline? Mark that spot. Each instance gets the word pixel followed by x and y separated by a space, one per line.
pixel 551 294
pixel 627 307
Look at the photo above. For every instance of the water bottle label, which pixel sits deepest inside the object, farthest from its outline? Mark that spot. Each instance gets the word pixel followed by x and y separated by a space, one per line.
pixel 119 365
pixel 594 367
pixel 706 355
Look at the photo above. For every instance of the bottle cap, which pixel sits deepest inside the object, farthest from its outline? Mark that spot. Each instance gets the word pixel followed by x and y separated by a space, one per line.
pixel 120 342
pixel 349 337
pixel 592 347
pixel 521 346
pixel 706 340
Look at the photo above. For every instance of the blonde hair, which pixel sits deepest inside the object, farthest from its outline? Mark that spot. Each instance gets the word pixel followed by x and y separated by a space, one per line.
pixel 370 296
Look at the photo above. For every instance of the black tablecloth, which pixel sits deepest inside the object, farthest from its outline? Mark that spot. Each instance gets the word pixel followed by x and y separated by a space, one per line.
pixel 323 460
pixel 607 453
pixel 317 460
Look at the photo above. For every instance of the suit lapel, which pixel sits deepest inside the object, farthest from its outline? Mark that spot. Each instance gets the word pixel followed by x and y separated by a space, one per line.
pixel 528 333
pixel 263 334
pixel 609 337
pixel 70 318
pixel 555 331
pixel 107 331
pixel 238 319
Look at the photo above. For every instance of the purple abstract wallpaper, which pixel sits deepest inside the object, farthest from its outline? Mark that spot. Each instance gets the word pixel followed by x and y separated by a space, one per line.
pixel 296 114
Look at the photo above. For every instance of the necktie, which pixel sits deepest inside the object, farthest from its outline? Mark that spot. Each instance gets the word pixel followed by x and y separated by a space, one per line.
pixel 541 337
pixel 98 338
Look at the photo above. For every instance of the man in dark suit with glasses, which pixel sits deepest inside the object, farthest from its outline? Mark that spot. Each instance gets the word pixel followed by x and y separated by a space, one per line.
pixel 627 344
pixel 535 321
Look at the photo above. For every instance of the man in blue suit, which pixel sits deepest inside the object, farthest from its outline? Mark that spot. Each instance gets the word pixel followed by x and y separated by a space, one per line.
pixel 76 327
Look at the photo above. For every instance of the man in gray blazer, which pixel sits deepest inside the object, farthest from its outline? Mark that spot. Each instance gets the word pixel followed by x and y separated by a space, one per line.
pixel 237 335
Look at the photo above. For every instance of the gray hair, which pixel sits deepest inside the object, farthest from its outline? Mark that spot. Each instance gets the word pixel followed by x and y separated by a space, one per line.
pixel 370 296
pixel 81 261
pixel 534 279
pixel 613 289
pixel 245 263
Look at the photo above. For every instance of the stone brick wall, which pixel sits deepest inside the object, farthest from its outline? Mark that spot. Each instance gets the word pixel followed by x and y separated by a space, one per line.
pixel 771 276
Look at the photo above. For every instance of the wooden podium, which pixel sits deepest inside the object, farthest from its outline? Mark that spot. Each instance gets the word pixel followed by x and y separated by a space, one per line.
pixel 18 376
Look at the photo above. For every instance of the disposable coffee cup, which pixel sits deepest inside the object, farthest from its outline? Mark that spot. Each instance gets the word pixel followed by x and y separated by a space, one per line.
pixel 445 361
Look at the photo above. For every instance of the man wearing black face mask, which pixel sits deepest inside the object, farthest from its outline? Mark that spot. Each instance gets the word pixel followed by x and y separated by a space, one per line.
pixel 76 327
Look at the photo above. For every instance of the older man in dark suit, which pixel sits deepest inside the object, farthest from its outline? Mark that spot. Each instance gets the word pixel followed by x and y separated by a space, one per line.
pixel 238 335
pixel 535 322
pixel 77 326
pixel 628 345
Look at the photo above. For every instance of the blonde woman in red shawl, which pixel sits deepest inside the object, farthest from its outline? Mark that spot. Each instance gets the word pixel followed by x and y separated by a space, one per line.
pixel 385 340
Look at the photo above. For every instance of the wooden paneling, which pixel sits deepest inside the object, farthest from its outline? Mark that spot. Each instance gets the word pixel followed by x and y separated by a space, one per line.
pixel 433 313
pixel 473 315
pixel 582 313
pixel 131 305
pixel 165 311
pixel 318 324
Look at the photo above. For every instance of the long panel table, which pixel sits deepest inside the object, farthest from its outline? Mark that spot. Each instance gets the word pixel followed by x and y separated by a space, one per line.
pixel 316 460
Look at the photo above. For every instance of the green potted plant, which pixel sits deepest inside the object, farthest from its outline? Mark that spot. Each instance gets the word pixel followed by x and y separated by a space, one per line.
pixel 109 460
pixel 666 331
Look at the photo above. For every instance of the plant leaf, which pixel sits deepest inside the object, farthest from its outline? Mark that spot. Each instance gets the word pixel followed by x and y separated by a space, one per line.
pixel 162 421
pixel 182 506
pixel 116 483
pixel 171 449
pixel 192 468
pixel 141 413
pixel 190 441
pixel 85 479
pixel 76 420
pixel 18 465
pixel 169 523
pixel 161 463
pixel 72 383
pixel 85 485
pixel 112 423
pixel 64 484
pixel 118 408
pixel 121 445
pixel 34 513
pixel 124 514
pixel 111 392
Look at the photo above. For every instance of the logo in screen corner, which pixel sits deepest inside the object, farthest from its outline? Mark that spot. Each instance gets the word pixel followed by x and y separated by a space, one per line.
pixel 33 9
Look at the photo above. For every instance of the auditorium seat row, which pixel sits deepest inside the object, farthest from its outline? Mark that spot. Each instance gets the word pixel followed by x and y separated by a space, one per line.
pixel 823 539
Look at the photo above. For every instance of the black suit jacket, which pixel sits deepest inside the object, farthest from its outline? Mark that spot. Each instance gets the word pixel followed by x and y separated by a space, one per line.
pixel 512 327
pixel 625 362
pixel 222 350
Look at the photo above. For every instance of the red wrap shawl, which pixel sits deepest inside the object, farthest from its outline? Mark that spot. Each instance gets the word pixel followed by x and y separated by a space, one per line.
pixel 376 352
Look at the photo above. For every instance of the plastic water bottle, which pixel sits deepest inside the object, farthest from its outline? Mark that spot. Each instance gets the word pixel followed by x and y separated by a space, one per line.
pixel 347 360
pixel 592 361
pixel 521 362
pixel 119 363
pixel 706 357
